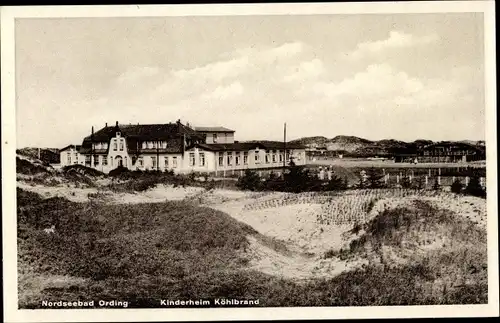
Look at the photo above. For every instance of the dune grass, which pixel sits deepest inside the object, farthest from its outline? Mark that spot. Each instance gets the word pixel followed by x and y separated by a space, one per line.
pixel 176 250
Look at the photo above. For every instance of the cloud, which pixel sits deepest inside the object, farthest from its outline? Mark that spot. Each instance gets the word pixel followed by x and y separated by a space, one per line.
pixel 377 81
pixel 255 90
pixel 395 40
pixel 225 92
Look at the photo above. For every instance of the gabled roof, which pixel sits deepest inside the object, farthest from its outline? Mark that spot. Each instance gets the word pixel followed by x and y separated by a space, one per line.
pixel 145 131
pixel 213 129
pixel 76 147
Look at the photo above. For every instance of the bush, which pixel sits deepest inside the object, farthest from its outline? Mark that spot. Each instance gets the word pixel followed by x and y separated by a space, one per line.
pixel 436 185
pixel 336 183
pixel 474 188
pixel 405 182
pixel 249 181
pixel 82 170
pixel 28 168
pixel 299 179
pixel 375 178
pixel 456 187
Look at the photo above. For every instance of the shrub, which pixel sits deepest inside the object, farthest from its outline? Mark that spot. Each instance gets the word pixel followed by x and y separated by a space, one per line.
pixel 436 185
pixel 456 187
pixel 298 179
pixel 474 188
pixel 81 169
pixel 405 182
pixel 375 178
pixel 336 183
pixel 28 168
pixel 249 181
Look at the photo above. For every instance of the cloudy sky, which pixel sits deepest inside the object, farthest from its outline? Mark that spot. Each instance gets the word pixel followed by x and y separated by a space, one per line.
pixel 401 76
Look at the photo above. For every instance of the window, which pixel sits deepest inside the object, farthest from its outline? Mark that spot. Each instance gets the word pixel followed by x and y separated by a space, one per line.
pixel 98 145
pixel 191 159
pixel 96 160
pixel 115 145
pixel 125 161
pixel 121 145
pixel 267 157
pixel 229 158
pixel 150 145
pixel 69 158
pixel 237 158
pixel 153 161
pixel 118 134
pixel 105 145
pixel 257 157
pixel 174 162
pixel 144 146
pixel 221 159
pixel 245 158
pixel 281 157
pixel 202 159
pixel 215 138
pixel 105 161
pixel 140 162
pixel 163 144
pixel 274 156
pixel 166 161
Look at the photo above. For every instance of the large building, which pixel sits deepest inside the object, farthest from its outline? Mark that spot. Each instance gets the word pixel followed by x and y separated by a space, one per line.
pixel 178 147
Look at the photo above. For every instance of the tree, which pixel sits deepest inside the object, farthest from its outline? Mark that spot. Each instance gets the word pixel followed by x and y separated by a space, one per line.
pixel 335 184
pixel 457 187
pixel 436 185
pixel 375 177
pixel 474 187
pixel 298 179
pixel 420 182
pixel 405 182
pixel 249 181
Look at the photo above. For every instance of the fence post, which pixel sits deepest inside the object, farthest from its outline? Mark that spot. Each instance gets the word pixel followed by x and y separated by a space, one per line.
pixel 439 180
pixel 453 179
pixel 466 181
pixel 397 179
pixel 439 171
pixel 386 178
pixel 426 180
pixel 430 172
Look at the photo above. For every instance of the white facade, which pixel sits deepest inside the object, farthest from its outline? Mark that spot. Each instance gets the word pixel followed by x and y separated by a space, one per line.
pixel 70 156
pixel 156 155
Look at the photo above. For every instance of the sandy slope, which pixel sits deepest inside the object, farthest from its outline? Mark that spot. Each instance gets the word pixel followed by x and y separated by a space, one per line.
pixel 294 224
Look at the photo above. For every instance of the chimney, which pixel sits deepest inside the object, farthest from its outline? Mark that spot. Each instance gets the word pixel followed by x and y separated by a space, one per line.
pixel 117 123
pixel 106 124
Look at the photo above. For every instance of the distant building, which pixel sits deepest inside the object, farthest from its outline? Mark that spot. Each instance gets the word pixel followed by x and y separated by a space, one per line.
pixel 451 152
pixel 444 152
pixel 179 148
pixel 217 135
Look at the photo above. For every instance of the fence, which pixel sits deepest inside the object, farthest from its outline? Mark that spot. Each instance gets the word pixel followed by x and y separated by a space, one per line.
pixel 421 177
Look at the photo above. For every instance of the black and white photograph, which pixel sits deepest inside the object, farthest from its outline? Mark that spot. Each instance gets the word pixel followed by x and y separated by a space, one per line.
pixel 273 160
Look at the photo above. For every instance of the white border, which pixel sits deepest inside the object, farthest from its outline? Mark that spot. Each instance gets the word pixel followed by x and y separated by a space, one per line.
pixel 12 314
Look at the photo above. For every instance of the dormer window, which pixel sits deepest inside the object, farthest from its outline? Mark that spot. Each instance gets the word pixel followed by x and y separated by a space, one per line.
pixel 118 133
